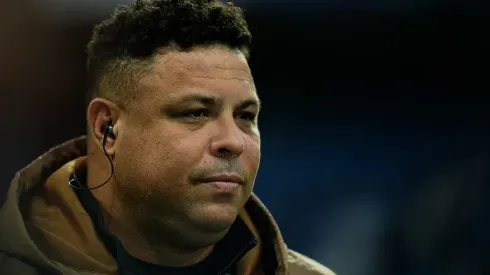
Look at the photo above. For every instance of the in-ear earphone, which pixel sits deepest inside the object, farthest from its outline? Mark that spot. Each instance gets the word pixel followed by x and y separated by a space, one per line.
pixel 75 183
pixel 108 130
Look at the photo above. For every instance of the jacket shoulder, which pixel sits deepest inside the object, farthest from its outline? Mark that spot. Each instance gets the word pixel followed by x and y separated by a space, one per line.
pixel 12 265
pixel 300 264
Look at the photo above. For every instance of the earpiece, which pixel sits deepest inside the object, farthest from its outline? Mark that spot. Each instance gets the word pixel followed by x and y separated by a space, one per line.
pixel 108 130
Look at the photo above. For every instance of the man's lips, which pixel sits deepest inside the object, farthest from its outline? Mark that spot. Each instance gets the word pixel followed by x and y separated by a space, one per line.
pixel 224 183
pixel 230 178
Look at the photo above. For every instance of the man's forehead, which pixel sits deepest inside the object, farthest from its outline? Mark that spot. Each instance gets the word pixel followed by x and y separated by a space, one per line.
pixel 206 62
pixel 212 70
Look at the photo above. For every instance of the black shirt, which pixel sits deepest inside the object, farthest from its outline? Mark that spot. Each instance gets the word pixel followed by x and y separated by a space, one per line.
pixel 222 261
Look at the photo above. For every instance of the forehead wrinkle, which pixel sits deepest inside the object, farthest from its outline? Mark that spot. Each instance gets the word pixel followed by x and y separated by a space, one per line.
pixel 202 59
pixel 179 74
pixel 218 75
pixel 201 67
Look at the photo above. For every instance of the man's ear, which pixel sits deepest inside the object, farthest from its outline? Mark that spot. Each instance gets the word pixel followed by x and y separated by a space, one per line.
pixel 101 112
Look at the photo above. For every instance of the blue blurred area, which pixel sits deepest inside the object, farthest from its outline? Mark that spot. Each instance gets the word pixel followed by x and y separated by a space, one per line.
pixel 337 192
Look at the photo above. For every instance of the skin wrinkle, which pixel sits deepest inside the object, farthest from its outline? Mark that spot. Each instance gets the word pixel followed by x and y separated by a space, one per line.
pixel 224 78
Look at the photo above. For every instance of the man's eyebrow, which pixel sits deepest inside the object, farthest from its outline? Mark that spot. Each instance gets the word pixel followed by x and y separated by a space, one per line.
pixel 211 100
pixel 251 102
pixel 200 98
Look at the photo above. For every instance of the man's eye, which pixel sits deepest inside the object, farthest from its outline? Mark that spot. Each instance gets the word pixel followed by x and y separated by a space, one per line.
pixel 247 116
pixel 196 114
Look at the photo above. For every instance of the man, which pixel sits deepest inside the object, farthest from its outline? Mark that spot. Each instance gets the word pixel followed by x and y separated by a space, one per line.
pixel 162 184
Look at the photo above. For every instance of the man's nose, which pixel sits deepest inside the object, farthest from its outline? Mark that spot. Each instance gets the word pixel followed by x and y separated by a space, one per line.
pixel 228 140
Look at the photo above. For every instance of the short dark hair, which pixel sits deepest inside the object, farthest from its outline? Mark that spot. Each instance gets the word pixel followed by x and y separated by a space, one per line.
pixel 122 46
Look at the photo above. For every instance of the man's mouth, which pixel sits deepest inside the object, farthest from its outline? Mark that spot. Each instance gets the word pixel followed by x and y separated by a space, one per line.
pixel 224 183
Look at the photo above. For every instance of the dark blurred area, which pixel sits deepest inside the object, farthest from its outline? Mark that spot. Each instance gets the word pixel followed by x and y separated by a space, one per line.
pixel 375 124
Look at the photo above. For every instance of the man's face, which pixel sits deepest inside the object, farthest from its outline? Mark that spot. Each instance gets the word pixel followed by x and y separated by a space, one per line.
pixel 194 121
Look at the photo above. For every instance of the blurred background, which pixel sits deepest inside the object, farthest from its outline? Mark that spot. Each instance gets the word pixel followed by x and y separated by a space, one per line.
pixel 375 124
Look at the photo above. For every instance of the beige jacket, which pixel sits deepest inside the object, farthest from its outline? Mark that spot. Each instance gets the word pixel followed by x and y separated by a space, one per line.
pixel 45 230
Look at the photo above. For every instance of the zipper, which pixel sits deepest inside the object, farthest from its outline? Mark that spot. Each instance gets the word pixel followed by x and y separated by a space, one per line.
pixel 251 244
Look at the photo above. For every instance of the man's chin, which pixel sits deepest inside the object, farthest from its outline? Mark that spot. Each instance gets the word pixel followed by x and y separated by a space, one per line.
pixel 215 218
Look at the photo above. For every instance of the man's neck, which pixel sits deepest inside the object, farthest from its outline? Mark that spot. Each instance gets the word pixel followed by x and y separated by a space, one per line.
pixel 164 256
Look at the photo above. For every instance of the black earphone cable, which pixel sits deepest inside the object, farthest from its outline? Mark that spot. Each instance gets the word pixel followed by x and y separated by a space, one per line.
pixel 75 183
